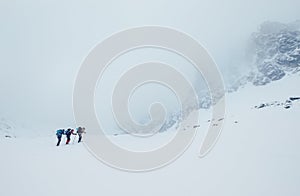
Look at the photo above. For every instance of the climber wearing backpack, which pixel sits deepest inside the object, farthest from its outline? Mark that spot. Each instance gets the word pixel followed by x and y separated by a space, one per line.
pixel 80 131
pixel 68 133
pixel 59 134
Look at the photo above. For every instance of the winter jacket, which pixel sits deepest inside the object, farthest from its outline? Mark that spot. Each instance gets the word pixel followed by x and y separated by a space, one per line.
pixel 80 130
pixel 70 132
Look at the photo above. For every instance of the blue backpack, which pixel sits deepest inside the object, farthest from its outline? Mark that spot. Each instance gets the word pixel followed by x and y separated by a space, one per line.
pixel 60 132
pixel 68 132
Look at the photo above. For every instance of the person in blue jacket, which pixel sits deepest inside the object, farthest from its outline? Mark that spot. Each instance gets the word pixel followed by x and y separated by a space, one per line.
pixel 59 134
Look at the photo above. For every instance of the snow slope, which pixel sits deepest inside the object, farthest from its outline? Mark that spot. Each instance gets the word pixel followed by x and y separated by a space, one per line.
pixel 258 153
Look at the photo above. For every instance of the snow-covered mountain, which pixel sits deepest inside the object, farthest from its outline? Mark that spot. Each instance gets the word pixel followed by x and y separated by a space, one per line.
pixel 276 51
pixel 257 154
pixel 273 52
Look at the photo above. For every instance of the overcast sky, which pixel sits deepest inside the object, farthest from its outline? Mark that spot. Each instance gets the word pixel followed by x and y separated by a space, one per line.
pixel 43 43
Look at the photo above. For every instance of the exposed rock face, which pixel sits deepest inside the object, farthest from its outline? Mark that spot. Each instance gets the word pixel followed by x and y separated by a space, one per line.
pixel 275 51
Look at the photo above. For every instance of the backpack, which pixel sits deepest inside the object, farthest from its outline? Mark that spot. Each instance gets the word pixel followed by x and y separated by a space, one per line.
pixel 60 132
pixel 79 130
pixel 68 132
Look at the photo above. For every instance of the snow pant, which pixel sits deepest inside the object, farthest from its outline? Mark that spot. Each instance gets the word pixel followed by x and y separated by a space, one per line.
pixel 59 140
pixel 68 139
pixel 80 137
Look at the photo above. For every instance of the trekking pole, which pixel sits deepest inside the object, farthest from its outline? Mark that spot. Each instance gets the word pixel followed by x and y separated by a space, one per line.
pixel 74 139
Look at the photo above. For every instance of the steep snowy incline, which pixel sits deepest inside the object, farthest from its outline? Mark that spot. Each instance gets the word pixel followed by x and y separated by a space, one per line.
pixel 257 154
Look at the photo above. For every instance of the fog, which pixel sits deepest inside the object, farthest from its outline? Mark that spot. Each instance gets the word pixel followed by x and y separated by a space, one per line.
pixel 44 43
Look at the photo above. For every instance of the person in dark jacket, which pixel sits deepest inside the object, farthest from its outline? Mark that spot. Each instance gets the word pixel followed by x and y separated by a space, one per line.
pixel 68 133
pixel 80 132
pixel 59 134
